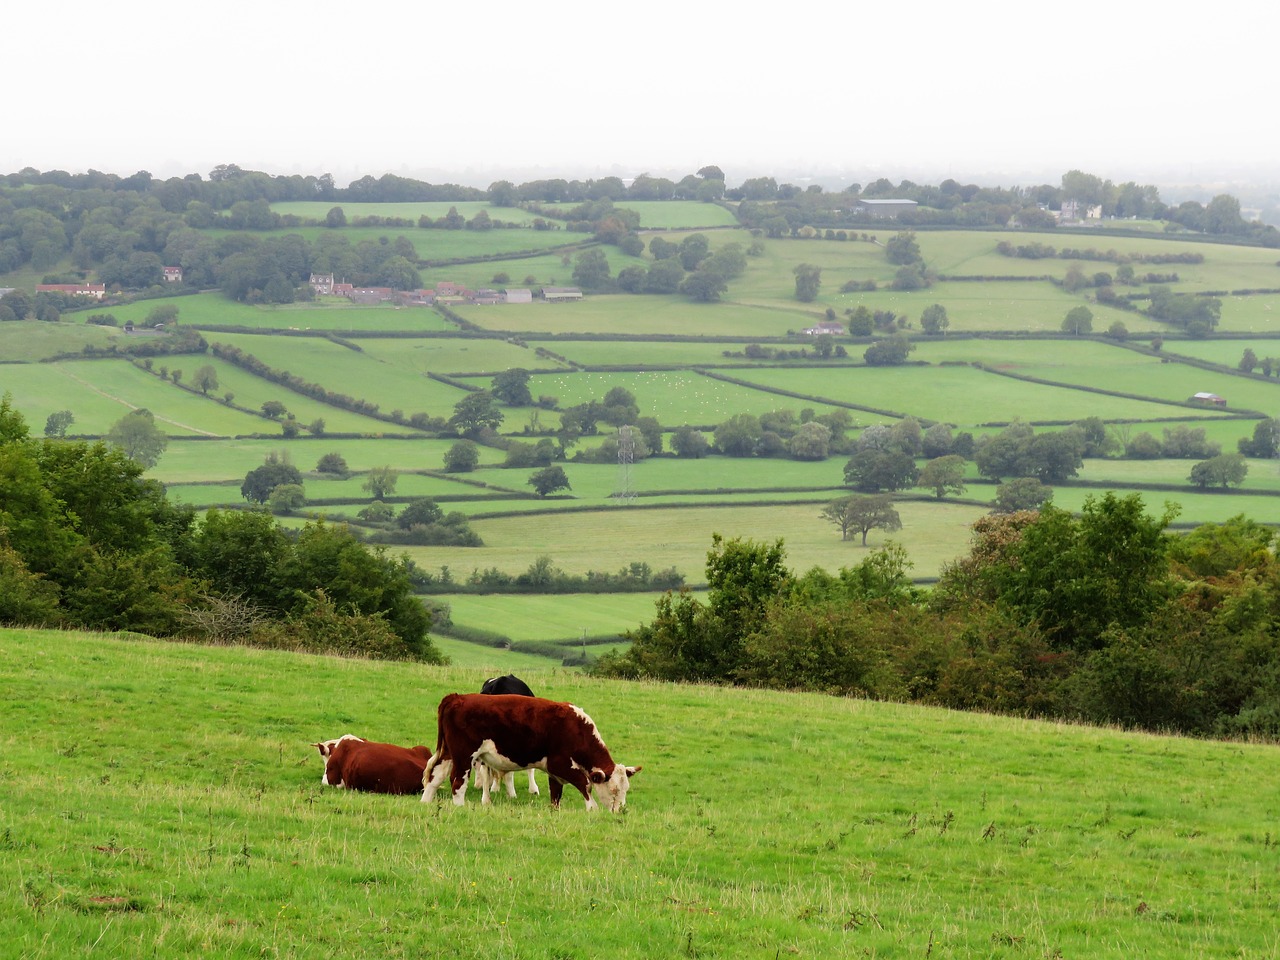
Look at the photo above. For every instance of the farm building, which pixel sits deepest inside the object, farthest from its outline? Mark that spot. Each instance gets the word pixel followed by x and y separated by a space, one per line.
pixel 95 290
pixel 561 293
pixel 1210 398
pixel 522 295
pixel 830 327
pixel 885 208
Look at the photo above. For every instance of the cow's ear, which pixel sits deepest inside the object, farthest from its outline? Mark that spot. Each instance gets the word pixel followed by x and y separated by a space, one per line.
pixel 632 771
pixel 597 775
pixel 320 747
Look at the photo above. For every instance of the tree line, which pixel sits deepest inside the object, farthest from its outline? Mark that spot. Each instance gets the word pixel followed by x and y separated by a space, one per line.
pixel 1104 617
pixel 87 543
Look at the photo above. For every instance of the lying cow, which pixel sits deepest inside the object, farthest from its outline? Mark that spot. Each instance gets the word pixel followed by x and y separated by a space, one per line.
pixel 357 764
pixel 484 779
pixel 510 732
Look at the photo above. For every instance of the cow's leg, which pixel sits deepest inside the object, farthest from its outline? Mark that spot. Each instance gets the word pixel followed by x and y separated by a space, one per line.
pixel 533 784
pixel 458 781
pixel 509 781
pixel 433 776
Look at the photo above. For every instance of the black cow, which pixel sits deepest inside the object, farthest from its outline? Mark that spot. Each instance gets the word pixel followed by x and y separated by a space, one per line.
pixel 484 777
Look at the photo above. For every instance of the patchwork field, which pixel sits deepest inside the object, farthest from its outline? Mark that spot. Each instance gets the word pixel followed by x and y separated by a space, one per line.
pixel 673 352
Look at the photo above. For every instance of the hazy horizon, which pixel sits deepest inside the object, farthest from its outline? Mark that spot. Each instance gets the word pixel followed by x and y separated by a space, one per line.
pixel 989 93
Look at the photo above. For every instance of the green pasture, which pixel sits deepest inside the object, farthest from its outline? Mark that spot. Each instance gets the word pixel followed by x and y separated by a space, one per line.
pixel 1023 307
pixel 551 616
pixel 251 392
pixel 327 313
pixel 613 537
pixel 1109 367
pixel 1194 506
pixel 1257 313
pixel 644 315
pixel 491 661
pixel 929 833
pixel 27 341
pixel 382 378
pixel 100 392
pixel 550 269
pixel 674 397
pixel 460 356
pixel 601 353
pixel 957 395
pixel 412 210
pixel 1225 352
pixel 189 461
pixel 1264 475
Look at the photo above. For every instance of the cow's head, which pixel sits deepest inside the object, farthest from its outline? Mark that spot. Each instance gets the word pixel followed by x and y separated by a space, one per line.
pixel 611 789
pixel 326 746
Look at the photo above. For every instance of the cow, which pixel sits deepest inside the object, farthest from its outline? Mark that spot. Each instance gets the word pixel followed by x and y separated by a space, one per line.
pixel 510 732
pixel 357 764
pixel 483 775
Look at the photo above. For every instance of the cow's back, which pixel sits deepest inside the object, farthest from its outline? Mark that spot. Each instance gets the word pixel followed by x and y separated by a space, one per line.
pixel 524 729
pixel 377 767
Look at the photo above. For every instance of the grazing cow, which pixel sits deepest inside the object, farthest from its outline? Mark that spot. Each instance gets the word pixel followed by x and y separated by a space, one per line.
pixel 483 775
pixel 511 732
pixel 356 764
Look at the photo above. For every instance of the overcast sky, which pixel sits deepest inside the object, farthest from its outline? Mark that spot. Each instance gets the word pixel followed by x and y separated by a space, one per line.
pixel 997 92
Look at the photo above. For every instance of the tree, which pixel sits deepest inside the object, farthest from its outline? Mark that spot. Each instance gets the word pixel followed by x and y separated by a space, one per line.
pixel 206 379
pixel 902 248
pixel 475 413
pixel 419 512
pixel 259 482
pixel 689 443
pixel 1024 493
pixel 1078 320
pixel 702 286
pixel 591 269
pixel 333 463
pixel 943 475
pixel 512 387
pixel 286 498
pixel 871 471
pixel 138 437
pixel 1248 361
pixel 336 217
pixel 890 352
pixel 462 457
pixel 693 250
pixel 811 441
pixel 739 435
pixel 1223 470
pixel 934 319
pixel 1265 442
pixel 808 280
pixel 862 514
pixel 57 423
pixel 380 482
pixel 274 409
pixel 549 480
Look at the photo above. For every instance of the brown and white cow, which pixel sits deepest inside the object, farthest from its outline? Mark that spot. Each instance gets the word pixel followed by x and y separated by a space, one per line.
pixel 511 732
pixel 486 779
pixel 357 764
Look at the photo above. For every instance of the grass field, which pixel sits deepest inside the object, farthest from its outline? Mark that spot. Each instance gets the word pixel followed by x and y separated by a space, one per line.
pixel 926 833
pixel 551 617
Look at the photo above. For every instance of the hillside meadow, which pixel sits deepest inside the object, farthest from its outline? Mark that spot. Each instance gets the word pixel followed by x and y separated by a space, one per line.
pixel 164 800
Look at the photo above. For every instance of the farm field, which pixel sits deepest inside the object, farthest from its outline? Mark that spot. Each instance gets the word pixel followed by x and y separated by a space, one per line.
pixel 967 835
pixel 552 616
pixel 432 244
pixel 962 395
pixel 584 527
pixel 412 210
pixel 605 540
